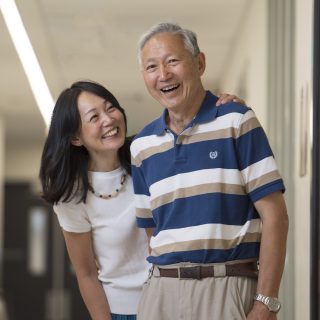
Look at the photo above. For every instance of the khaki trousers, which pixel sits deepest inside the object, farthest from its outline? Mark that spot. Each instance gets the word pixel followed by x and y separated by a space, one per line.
pixel 215 298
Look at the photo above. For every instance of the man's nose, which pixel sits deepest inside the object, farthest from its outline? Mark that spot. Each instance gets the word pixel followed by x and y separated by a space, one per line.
pixel 164 73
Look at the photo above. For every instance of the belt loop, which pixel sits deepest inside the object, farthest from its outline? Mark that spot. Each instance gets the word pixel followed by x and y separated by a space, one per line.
pixel 179 273
pixel 219 270
pixel 153 271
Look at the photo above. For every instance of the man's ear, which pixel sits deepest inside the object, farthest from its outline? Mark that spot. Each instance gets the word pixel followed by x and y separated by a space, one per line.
pixel 201 63
pixel 76 141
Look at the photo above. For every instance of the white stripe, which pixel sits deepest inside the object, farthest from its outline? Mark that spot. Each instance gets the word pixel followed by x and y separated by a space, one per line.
pixel 224 122
pixel 194 178
pixel 205 232
pixel 147 142
pixel 259 168
pixel 142 201
pixel 248 115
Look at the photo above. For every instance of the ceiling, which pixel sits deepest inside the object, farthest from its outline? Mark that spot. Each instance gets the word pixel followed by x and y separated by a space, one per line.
pixel 96 39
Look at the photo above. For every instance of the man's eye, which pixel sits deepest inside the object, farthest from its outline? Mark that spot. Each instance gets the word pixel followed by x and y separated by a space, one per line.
pixel 150 67
pixel 172 61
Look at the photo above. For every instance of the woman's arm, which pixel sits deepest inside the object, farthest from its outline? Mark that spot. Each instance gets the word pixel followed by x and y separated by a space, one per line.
pixel 149 232
pixel 79 246
pixel 226 97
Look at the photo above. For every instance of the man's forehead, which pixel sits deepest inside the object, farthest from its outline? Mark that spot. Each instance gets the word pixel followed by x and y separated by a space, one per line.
pixel 164 37
pixel 161 42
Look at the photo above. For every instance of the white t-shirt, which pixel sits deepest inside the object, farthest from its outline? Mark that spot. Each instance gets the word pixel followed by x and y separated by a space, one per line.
pixel 120 247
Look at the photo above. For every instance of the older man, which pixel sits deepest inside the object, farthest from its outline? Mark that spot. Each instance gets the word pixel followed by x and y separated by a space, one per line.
pixel 208 193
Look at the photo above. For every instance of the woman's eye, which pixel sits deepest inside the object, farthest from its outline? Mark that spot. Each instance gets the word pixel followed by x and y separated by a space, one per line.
pixel 94 117
pixel 111 108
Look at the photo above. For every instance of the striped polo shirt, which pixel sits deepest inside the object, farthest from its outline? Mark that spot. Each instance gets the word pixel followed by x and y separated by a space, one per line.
pixel 198 188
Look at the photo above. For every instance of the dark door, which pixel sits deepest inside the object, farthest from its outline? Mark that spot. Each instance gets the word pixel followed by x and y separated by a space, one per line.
pixel 38 281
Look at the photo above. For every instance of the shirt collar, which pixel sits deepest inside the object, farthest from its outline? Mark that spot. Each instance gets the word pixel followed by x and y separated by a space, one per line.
pixel 208 109
pixel 207 112
pixel 161 123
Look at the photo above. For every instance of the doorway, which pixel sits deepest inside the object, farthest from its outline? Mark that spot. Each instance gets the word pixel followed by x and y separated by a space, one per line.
pixel 38 281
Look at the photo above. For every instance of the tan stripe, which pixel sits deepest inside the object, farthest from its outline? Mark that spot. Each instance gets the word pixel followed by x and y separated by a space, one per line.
pixel 248 125
pixel 206 244
pixel 205 136
pixel 143 213
pixel 197 190
pixel 262 180
pixel 148 152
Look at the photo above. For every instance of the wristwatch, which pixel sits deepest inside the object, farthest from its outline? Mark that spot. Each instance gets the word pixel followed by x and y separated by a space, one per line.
pixel 273 304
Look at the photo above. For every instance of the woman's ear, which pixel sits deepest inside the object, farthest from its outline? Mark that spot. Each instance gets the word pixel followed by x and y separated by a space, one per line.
pixel 76 141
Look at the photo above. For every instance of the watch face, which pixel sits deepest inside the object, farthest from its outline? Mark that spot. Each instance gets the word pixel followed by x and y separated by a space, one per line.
pixel 274 305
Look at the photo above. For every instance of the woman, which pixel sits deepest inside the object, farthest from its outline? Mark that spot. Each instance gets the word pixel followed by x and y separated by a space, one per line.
pixel 85 174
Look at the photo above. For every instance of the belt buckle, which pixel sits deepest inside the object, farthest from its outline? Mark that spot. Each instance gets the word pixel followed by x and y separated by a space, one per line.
pixel 190 273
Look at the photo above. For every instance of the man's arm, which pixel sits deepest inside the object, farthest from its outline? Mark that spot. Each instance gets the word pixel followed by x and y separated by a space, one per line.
pixel 273 213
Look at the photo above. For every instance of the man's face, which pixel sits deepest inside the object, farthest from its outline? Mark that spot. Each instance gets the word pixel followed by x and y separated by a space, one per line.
pixel 172 76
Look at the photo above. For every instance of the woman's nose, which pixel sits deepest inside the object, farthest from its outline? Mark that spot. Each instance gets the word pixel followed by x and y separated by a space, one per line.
pixel 106 119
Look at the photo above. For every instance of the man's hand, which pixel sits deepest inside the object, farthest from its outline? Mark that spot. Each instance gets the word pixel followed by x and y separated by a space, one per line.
pixel 261 312
pixel 225 98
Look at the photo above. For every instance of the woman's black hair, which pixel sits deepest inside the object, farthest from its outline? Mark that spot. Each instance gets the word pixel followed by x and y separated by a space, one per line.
pixel 64 167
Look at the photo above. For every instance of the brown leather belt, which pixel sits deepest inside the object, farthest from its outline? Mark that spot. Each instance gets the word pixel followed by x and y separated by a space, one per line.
pixel 248 269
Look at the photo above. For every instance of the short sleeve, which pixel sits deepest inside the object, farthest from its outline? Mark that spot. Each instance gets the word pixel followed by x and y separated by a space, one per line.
pixel 141 191
pixel 72 217
pixel 256 161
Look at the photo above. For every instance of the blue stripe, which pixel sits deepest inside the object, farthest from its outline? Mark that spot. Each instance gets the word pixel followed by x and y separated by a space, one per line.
pixel 202 209
pixel 198 159
pixel 243 251
pixel 145 222
pixel 256 141
pixel 265 190
pixel 123 317
pixel 232 107
pixel 139 184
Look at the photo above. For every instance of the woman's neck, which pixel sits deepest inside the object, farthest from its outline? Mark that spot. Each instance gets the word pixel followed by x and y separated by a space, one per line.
pixel 104 163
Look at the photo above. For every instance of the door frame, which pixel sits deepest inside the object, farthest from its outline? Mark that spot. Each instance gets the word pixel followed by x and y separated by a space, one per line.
pixel 315 199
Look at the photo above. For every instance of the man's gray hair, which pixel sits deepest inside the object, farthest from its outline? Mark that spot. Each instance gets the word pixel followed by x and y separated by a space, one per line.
pixel 189 37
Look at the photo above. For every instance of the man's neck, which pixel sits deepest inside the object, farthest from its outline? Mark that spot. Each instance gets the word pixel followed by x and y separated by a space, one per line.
pixel 177 120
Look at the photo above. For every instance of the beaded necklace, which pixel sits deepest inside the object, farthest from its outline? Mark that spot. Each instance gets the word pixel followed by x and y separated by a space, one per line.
pixel 112 194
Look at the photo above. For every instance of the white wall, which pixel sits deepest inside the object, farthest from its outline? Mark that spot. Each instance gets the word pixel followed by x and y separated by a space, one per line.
pixel 246 73
pixel 22 162
pixel 303 98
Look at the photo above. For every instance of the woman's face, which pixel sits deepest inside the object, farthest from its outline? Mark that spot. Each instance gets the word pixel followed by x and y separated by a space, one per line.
pixel 102 128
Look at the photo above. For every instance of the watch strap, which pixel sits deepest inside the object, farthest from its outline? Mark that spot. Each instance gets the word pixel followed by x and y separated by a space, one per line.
pixel 272 303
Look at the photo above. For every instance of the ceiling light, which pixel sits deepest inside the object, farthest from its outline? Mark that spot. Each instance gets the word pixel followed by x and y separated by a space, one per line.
pixel 28 58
